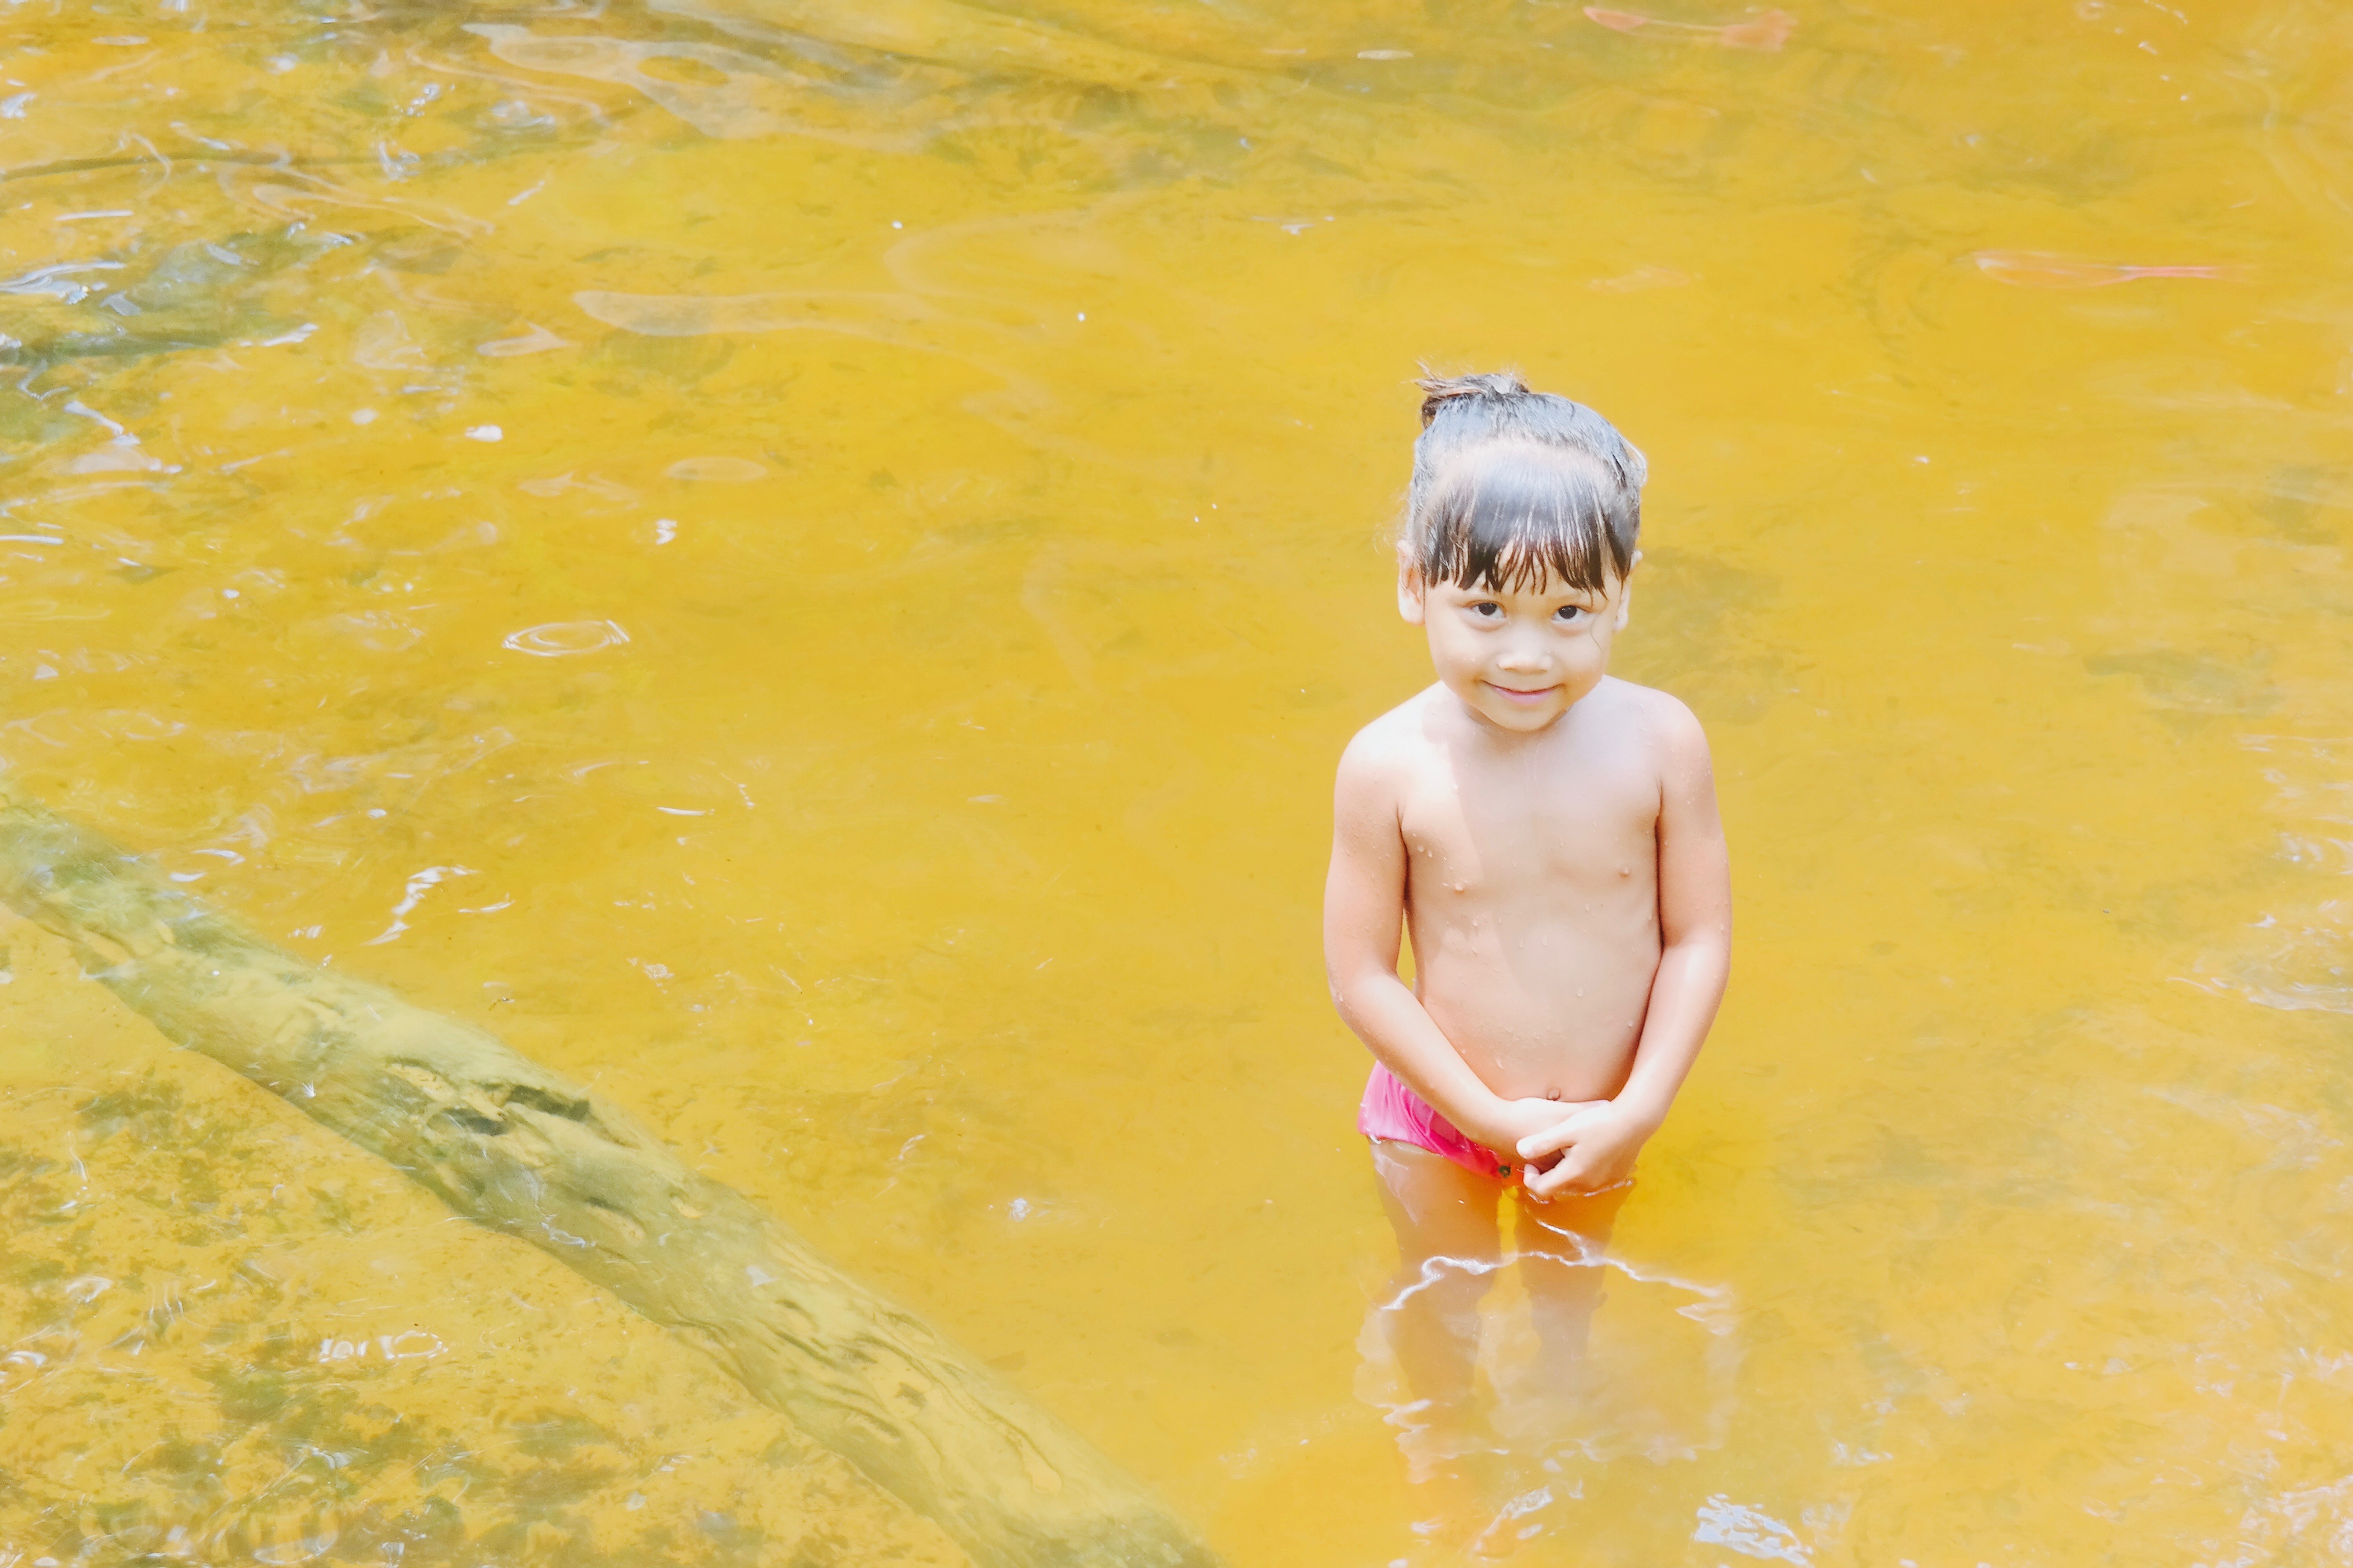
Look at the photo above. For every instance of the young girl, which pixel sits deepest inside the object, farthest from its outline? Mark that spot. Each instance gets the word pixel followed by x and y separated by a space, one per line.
pixel 1549 836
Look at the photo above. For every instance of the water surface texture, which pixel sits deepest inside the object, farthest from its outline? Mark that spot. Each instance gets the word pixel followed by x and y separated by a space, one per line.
pixel 807 562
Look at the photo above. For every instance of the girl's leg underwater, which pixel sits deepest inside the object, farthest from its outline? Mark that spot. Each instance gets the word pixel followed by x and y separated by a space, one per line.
pixel 1448 1248
pixel 1561 1244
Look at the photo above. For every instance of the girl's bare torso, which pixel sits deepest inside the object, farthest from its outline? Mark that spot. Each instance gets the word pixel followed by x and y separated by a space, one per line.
pixel 1532 888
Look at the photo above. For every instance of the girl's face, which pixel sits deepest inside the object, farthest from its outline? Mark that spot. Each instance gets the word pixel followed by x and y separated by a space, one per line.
pixel 1517 658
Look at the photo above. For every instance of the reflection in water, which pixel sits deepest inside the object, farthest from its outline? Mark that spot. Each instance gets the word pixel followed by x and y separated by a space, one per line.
pixel 537 341
pixel 1750 1532
pixel 1655 1379
pixel 2040 269
pixel 1766 32
pixel 723 470
pixel 2296 955
pixel 686 316
pixel 557 639
pixel 937 860
pixel 719 91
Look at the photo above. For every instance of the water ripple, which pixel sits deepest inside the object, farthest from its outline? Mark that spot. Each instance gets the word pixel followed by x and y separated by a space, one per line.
pixel 556 639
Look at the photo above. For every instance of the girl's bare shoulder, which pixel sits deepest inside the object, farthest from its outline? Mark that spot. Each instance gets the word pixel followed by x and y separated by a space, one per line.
pixel 1394 743
pixel 1659 722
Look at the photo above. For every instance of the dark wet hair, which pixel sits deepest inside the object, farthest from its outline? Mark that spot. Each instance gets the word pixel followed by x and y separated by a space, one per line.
pixel 1509 485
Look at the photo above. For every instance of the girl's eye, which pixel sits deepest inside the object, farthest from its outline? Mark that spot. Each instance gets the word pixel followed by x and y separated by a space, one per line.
pixel 1570 612
pixel 1487 609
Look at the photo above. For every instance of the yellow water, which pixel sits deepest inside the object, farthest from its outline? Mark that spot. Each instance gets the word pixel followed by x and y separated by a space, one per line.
pixel 872 711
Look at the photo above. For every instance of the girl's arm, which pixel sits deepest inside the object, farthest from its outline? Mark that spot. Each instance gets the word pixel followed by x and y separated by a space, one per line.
pixel 1364 922
pixel 1598 1145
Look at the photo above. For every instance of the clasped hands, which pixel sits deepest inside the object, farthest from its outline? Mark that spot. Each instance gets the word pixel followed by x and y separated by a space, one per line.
pixel 1571 1148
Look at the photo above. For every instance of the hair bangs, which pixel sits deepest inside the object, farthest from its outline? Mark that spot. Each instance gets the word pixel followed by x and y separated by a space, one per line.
pixel 1512 515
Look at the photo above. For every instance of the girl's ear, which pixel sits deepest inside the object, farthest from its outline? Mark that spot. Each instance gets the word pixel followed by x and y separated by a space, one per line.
pixel 1412 604
pixel 1626 591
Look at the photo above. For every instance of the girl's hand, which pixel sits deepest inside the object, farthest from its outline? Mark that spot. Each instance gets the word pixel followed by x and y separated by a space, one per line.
pixel 1590 1150
pixel 1514 1122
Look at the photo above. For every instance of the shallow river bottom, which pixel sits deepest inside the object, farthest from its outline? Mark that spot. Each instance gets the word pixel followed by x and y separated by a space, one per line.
pixel 808 565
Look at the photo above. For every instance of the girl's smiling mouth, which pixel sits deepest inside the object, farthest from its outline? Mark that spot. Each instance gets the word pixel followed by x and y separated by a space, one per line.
pixel 1516 694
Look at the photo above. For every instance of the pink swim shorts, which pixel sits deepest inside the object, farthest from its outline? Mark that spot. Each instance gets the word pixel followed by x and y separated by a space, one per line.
pixel 1392 1111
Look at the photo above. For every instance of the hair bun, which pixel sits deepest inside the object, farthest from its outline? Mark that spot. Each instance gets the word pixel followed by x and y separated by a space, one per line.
pixel 1438 391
